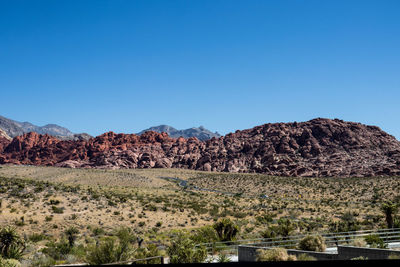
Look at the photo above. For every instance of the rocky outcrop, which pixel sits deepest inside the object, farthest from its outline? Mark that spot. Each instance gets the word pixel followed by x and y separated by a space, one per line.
pixel 320 147
pixel 3 134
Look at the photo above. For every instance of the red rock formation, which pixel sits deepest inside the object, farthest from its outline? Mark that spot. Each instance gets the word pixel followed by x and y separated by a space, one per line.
pixel 320 147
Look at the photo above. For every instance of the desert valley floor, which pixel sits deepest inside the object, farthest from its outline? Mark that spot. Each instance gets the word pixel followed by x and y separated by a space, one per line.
pixel 47 200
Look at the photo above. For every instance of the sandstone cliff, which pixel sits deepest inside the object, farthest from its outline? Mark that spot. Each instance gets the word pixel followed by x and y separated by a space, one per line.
pixel 320 147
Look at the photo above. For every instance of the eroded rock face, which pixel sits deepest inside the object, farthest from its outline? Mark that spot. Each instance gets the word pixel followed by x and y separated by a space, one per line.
pixel 320 147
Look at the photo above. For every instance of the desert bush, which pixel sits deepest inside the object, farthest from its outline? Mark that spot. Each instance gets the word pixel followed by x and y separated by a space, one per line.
pixel 11 244
pixel 271 232
pixel 57 210
pixel 98 231
pixel 71 234
pixel 389 209
pixel 205 234
pixel 223 258
pixel 305 257
pixel 375 241
pixel 359 242
pixel 9 262
pixel 312 243
pixel 285 227
pixel 150 251
pixel 393 257
pixel 182 250
pixel 42 260
pixel 36 237
pixel 226 229
pixel 274 254
pixel 57 250
pixel 112 249
pixel 102 253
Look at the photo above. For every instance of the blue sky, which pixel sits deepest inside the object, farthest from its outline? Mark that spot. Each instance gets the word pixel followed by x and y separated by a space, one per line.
pixel 96 66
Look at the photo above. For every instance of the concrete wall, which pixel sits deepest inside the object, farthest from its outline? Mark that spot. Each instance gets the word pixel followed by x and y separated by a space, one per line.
pixel 247 253
pixel 349 252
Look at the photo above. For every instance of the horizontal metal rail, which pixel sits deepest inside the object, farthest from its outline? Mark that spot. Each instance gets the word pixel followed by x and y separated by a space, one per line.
pixel 325 235
pixel 387 236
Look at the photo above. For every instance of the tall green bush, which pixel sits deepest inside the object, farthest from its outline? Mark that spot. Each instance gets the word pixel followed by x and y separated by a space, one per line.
pixel 183 250
pixel 226 229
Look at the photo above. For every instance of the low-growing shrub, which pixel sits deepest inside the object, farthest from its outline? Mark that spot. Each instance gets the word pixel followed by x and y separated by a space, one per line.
pixel 305 257
pixel 36 237
pixel 9 262
pixel 359 242
pixel 374 241
pixel 393 257
pixel 274 254
pixel 312 243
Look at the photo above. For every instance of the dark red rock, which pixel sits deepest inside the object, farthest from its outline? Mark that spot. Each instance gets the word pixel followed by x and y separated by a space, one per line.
pixel 320 147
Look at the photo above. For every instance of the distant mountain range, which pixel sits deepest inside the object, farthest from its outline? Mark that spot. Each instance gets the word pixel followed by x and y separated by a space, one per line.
pixel 15 128
pixel 10 129
pixel 200 133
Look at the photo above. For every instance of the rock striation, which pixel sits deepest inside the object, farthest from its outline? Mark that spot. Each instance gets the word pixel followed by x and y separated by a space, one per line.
pixel 316 148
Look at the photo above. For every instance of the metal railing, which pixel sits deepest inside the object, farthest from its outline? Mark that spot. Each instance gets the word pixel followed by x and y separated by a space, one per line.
pixel 331 239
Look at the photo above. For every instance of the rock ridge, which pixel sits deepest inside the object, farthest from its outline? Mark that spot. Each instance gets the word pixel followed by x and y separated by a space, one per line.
pixel 316 148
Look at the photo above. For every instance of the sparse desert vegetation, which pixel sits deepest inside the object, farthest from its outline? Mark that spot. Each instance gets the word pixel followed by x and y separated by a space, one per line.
pixel 80 215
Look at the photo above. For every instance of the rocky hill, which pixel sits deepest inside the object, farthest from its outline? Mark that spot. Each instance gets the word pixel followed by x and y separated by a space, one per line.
pixel 320 147
pixel 14 128
pixel 200 133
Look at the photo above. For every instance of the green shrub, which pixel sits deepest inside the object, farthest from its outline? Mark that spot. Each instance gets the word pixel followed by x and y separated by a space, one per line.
pixel 98 231
pixel 274 254
pixel 9 262
pixel 71 234
pixel 57 210
pixel 43 261
pixel 150 251
pixel 182 250
pixel 103 253
pixel 36 237
pixel 11 244
pixel 226 229
pixel 111 250
pixel 205 234
pixel 312 243
pixel 57 251
pixel 374 241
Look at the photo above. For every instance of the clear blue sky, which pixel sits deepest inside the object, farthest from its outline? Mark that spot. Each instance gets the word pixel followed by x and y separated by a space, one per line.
pixel 96 66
